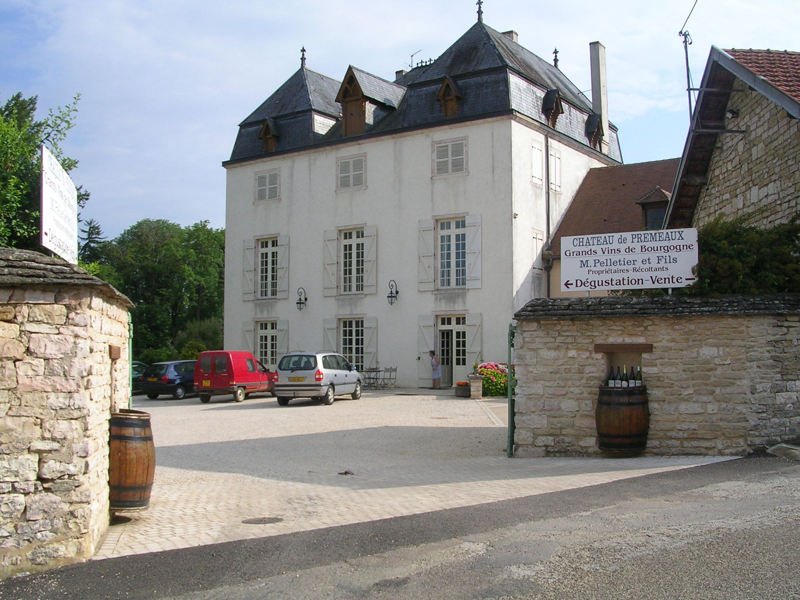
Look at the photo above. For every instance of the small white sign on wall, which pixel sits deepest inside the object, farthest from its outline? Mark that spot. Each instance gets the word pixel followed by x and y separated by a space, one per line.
pixel 59 209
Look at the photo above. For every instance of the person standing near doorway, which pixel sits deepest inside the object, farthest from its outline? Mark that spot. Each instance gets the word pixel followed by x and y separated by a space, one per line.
pixel 436 370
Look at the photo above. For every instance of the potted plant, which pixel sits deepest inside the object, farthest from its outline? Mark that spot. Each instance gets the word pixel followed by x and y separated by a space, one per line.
pixel 462 389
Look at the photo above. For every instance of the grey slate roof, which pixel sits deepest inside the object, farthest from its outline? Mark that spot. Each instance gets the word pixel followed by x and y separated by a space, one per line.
pixel 377 89
pixel 478 62
pixel 26 268
pixel 305 90
pixel 482 48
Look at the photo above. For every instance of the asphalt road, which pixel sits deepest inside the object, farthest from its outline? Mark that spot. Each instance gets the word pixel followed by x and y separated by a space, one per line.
pixel 723 531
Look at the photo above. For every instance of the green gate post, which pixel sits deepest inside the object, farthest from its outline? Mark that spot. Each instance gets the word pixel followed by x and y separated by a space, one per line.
pixel 512 384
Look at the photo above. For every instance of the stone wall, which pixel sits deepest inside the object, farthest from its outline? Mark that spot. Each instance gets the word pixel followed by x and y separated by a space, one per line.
pixel 755 174
pixel 722 375
pixel 58 386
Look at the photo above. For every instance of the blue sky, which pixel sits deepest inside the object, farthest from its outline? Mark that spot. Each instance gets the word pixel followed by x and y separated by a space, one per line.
pixel 164 83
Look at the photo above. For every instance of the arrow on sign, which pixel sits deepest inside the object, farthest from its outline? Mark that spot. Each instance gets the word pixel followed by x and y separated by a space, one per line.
pixel 567 284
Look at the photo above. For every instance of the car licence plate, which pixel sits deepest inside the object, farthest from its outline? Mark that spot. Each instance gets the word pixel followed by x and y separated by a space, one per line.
pixel 206 383
pixel 152 379
pixel 297 378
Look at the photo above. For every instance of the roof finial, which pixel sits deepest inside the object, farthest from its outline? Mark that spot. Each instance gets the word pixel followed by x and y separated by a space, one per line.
pixel 555 58
pixel 303 57
pixel 480 11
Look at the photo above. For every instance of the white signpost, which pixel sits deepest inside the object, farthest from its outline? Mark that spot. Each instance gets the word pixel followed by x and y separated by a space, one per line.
pixel 631 260
pixel 59 209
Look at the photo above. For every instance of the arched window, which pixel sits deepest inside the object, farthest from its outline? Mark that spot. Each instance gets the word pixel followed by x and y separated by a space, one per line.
pixel 354 105
pixel 551 107
pixel 449 97
pixel 594 130
pixel 268 134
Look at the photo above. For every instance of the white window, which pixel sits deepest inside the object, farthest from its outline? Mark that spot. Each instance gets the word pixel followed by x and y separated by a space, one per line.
pixel 268 268
pixel 537 163
pixel 452 253
pixel 351 340
pixel 268 186
pixel 265 268
pixel 352 172
pixel 267 350
pixel 449 253
pixel 555 170
pixel 352 261
pixel 450 157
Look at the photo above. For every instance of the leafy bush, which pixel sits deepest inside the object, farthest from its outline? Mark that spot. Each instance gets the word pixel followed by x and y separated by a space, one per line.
pixel 741 259
pixel 736 258
pixel 495 378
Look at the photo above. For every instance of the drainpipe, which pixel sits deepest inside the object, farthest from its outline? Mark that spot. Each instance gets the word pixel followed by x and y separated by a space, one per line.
pixel 512 383
pixel 547 205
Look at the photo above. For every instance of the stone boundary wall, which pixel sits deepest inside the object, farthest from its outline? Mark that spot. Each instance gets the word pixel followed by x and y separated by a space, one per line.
pixel 723 375
pixel 58 387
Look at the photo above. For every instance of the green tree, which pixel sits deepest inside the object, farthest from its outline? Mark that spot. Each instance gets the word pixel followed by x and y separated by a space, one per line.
pixel 21 137
pixel 174 276
pixel 91 238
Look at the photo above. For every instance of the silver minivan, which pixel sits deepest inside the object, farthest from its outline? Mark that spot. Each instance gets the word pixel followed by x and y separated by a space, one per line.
pixel 322 375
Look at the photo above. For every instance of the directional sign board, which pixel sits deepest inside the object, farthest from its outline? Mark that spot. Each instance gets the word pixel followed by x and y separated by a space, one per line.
pixel 59 209
pixel 632 260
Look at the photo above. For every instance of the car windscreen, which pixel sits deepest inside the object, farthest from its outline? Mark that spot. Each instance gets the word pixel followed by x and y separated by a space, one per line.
pixel 298 362
pixel 156 370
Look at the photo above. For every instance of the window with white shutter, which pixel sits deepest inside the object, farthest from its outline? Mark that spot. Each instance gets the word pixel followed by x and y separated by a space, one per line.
pixel 450 157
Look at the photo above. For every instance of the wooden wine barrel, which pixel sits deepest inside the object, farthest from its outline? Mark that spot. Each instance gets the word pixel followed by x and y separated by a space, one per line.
pixel 132 460
pixel 623 419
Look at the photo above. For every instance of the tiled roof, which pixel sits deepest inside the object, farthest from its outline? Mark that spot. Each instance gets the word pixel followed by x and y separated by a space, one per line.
pixel 608 199
pixel 780 68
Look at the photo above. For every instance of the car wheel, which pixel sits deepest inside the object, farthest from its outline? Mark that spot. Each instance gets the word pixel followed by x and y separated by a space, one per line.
pixel 179 393
pixel 239 395
pixel 283 401
pixel 357 391
pixel 152 396
pixel 205 398
pixel 328 397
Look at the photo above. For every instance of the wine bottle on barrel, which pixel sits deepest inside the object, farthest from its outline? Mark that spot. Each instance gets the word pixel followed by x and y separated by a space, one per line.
pixel 625 380
pixel 611 380
pixel 632 381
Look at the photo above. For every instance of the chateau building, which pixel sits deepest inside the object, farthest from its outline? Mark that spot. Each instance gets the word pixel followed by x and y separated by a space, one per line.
pixel 384 219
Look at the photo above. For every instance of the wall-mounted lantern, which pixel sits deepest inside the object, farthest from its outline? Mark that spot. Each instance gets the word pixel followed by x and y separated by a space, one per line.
pixel 302 299
pixel 393 292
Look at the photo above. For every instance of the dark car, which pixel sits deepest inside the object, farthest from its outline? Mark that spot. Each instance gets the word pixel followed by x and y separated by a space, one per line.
pixel 137 370
pixel 175 377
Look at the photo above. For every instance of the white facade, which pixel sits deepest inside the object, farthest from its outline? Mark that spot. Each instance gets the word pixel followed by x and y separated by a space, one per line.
pixel 381 198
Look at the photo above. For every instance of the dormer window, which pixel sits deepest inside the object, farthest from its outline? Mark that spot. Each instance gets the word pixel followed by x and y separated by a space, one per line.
pixel 449 97
pixel 654 207
pixel 551 107
pixel 268 134
pixel 594 130
pixel 354 109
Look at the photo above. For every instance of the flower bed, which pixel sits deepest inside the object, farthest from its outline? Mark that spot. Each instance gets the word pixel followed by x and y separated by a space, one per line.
pixel 495 378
